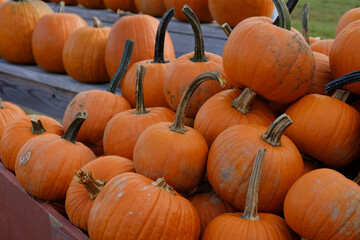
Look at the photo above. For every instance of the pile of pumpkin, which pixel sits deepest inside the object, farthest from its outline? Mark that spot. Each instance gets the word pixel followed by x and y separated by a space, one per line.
pixel 273 141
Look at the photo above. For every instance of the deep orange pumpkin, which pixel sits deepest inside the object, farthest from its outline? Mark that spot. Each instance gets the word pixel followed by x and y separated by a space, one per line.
pixel 200 8
pixel 322 46
pixel 155 8
pixel 347 18
pixel 322 74
pixel 8 113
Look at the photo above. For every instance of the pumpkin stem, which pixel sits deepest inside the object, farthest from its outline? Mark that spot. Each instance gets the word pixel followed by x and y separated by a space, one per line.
pixel 243 102
pixel 305 22
pixel 93 186
pixel 61 7
pixel 73 129
pixel 121 70
pixel 178 125
pixel 160 36
pixel 226 28
pixel 342 81
pixel 341 95
pixel 199 52
pixel 357 179
pixel 37 127
pixel 139 93
pixel 251 204
pixel 291 4
pixel 274 133
pixel 160 183
pixel 97 23
pixel 284 14
pixel 1 106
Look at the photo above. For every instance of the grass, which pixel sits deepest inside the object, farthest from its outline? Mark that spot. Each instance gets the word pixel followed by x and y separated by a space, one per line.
pixel 324 15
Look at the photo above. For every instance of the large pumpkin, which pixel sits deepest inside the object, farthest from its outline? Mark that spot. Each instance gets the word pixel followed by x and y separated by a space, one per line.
pixel 200 8
pixel 8 113
pixel 347 18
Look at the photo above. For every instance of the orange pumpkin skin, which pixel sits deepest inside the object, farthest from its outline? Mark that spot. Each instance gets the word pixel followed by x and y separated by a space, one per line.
pixel 2 1
pixel 313 39
pixel 67 2
pixel 312 120
pixel 231 226
pixel 308 166
pixel 322 74
pixel 322 46
pixel 124 5
pixel 234 11
pixel 18 20
pixel 155 8
pixel 141 29
pixel 19 132
pixel 92 4
pixel 344 54
pixel 323 204
pixel 347 18
pixel 8 113
pixel 129 207
pixel 48 41
pixel 78 202
pixel 200 8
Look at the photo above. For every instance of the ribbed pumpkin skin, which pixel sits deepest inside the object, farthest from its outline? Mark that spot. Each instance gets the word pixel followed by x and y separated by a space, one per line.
pixel 8 114
pixel 18 133
pixel 84 54
pixel 234 11
pixel 101 107
pixel 323 204
pixel 313 129
pixel 128 207
pixel 231 226
pixel 49 169
pixel 281 73
pixel 217 114
pixel 345 54
pixel 322 46
pixel 322 74
pixel 124 5
pixel 49 37
pixel 155 8
pixel 78 202
pixel 200 8
pixel 92 4
pixel 17 21
pixel 232 155
pixel 123 130
pixel 141 29
pixel 347 18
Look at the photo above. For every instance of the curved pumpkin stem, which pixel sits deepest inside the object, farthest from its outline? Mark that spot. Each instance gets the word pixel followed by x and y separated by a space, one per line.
pixel 342 81
pixel 305 23
pixel 93 186
pixel 160 36
pixel 121 70
pixel 160 183
pixel 243 102
pixel 284 14
pixel 251 204
pixel 75 125
pixel 226 28
pixel 61 7
pixel 199 52
pixel 290 4
pixel 97 23
pixel 37 127
pixel 274 133
pixel 139 92
pixel 178 125
pixel 341 95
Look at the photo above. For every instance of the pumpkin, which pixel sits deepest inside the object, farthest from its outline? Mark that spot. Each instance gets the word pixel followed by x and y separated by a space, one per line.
pixel 172 150
pixel 84 53
pixel 308 166
pixel 280 73
pixel 347 18
pixel 228 108
pixel 323 204
pixel 101 106
pixel 250 224
pixel 123 5
pixel 322 74
pixel 313 119
pixel 9 112
pixel 188 66
pixel 234 11
pixel 200 8
pixel 17 20
pixel 155 8
pixel 87 184
pixel 156 70
pixel 123 130
pixel 140 28
pixel 3 1
pixel 22 130
pixel 233 153
pixel 131 206
pixel 92 4
pixel 45 164
pixel 67 2
pixel 49 37
pixel 322 46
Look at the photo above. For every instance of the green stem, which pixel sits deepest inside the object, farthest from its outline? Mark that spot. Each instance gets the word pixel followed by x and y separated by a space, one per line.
pixel 343 80
pixel 251 204
pixel 97 23
pixel 290 4
pixel 226 28
pixel 93 186
pixel 61 7
pixel 243 102
pixel 179 125
pixel 160 183
pixel 139 93
pixel 121 70
pixel 341 95
pixel 305 22
pixel 37 127
pixel 284 14
pixel 199 52
pixel 73 129
pixel 274 133
pixel 160 36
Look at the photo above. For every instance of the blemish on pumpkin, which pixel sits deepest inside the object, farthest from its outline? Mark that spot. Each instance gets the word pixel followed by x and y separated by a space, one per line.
pixel 25 158
pixel 318 181
pixel 144 188
pixel 335 213
pixel 130 213
pixel 119 195
pixel 215 199
pixel 227 173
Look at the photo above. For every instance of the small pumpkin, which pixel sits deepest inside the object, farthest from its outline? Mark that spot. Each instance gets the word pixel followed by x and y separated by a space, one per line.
pixel 322 46
pixel 9 112
pixel 347 18
pixel 322 75
pixel 155 8
pixel 200 8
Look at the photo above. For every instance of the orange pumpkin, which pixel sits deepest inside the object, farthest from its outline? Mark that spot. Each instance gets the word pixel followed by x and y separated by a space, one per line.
pixel 3 1
pixel 92 4
pixel 347 18
pixel 123 5
pixel 322 46
pixel 8 113
pixel 322 74
pixel 155 8
pixel 200 8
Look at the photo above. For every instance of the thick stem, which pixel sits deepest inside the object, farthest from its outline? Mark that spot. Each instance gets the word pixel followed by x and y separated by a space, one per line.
pixel 93 186
pixel 290 4
pixel 274 133
pixel 73 129
pixel 139 93
pixel 61 7
pixel 243 102
pixel 160 36
pixel 37 127
pixel 251 204
pixel 342 81
pixel 284 14
pixel 199 51
pixel 178 125
pixel 226 28
pixel 341 95
pixel 121 70
pixel 160 183
pixel 97 23
pixel 1 106
pixel 305 22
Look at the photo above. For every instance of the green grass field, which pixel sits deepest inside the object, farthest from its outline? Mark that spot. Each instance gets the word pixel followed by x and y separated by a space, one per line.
pixel 324 15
